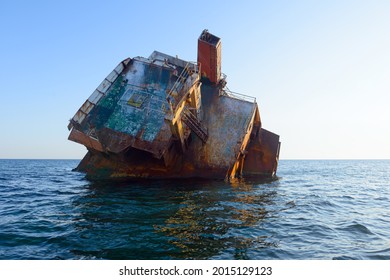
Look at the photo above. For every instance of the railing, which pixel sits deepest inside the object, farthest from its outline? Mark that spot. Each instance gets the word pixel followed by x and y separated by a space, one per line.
pixel 178 86
pixel 236 95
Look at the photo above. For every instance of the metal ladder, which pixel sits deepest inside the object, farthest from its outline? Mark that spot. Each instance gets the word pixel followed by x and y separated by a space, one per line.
pixel 194 124
pixel 178 85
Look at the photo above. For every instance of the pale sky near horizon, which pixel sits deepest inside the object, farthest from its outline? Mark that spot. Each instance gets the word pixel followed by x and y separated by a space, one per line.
pixel 320 70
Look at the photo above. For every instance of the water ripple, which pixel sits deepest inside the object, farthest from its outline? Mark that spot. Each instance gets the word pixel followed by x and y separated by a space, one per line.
pixel 315 210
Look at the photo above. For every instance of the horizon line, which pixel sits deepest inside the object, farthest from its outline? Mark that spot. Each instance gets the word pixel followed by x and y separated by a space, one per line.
pixel 279 159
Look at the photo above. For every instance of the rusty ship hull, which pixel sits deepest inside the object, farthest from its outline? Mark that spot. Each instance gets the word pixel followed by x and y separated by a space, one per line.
pixel 164 117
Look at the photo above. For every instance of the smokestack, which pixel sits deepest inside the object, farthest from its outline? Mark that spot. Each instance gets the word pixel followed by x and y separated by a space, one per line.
pixel 209 56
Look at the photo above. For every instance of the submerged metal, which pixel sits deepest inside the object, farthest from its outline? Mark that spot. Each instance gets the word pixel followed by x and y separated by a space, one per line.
pixel 164 117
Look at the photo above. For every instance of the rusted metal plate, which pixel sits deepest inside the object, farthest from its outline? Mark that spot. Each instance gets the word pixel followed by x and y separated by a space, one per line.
pixel 227 120
pixel 263 155
pixel 87 141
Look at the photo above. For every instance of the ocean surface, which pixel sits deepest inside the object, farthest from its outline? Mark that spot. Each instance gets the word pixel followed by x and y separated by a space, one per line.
pixel 315 210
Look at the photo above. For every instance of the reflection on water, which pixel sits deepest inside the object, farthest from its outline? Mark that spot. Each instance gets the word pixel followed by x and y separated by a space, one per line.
pixel 173 219
pixel 212 221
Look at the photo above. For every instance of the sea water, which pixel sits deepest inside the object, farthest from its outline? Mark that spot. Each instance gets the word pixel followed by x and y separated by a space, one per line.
pixel 316 209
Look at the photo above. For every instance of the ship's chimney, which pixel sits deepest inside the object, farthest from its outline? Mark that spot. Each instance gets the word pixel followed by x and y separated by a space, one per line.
pixel 209 56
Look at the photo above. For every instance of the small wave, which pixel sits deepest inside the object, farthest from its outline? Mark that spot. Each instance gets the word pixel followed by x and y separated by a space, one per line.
pixel 357 228
pixel 291 204
pixel 383 254
pixel 288 205
pixel 344 257
pixel 57 181
pixel 379 257
pixel 387 250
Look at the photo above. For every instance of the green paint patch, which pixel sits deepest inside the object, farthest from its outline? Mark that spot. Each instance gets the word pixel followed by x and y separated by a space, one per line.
pixel 136 100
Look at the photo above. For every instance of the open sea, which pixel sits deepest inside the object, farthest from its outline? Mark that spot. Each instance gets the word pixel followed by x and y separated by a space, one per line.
pixel 317 209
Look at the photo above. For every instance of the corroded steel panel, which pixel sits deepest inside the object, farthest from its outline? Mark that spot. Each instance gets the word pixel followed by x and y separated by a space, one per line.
pixel 86 140
pixel 98 93
pixel 262 155
pixel 227 120
pixel 133 109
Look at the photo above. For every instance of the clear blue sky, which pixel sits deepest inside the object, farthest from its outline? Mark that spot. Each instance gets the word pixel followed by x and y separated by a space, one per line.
pixel 320 70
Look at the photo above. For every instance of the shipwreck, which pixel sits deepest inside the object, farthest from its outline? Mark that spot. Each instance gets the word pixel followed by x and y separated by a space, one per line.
pixel 165 117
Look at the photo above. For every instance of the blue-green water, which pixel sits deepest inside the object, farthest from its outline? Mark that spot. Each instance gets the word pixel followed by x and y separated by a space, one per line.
pixel 316 210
